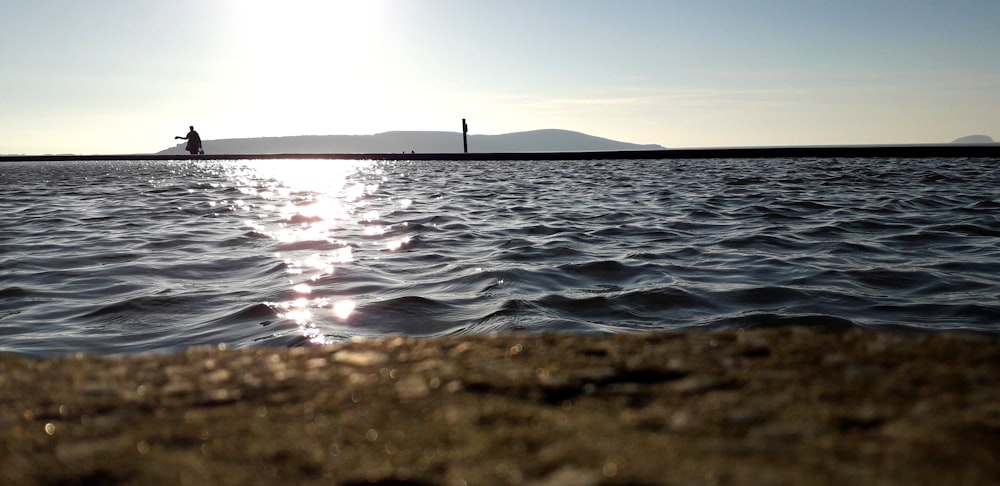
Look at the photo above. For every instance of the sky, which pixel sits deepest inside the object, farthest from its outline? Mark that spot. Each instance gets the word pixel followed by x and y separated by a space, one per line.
pixel 126 76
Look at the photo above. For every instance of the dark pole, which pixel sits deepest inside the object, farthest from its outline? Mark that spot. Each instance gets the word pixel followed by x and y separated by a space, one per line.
pixel 465 136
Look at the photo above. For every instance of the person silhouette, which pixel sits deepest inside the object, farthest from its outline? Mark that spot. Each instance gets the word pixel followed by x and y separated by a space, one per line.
pixel 194 141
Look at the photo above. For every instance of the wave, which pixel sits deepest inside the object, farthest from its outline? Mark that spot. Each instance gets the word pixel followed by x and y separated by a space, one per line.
pixel 111 257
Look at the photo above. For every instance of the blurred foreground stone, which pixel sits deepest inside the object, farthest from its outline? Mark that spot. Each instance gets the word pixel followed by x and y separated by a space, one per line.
pixel 780 406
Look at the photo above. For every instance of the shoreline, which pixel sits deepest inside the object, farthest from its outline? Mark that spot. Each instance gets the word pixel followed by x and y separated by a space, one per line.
pixel 763 406
pixel 854 151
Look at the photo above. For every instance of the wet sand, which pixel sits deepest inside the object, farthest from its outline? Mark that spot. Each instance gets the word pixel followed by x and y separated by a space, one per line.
pixel 778 406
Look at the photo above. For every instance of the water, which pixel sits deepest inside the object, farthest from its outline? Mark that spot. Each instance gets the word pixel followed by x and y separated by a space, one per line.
pixel 134 256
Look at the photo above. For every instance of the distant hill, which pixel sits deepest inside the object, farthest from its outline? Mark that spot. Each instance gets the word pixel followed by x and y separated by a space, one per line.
pixel 974 139
pixel 550 140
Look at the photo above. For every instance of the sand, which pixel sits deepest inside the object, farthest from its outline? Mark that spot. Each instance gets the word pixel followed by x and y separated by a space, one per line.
pixel 767 406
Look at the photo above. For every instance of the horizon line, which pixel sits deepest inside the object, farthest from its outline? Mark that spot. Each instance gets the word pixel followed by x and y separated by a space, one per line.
pixel 781 151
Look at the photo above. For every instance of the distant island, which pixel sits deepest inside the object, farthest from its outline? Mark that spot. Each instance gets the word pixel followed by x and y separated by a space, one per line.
pixel 974 139
pixel 550 144
pixel 549 140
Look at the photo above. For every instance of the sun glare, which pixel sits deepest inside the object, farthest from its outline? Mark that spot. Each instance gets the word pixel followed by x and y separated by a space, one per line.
pixel 295 27
pixel 308 63
pixel 313 209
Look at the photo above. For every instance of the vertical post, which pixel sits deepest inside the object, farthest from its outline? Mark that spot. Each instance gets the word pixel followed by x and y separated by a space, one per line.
pixel 465 136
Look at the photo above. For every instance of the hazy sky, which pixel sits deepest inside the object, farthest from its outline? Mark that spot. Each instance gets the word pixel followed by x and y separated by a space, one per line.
pixel 125 76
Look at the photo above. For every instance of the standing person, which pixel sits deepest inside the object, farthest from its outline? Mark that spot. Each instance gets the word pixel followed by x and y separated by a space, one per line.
pixel 194 141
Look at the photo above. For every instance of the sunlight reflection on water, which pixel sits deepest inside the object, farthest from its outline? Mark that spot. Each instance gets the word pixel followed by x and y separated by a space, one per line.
pixel 317 206
pixel 133 256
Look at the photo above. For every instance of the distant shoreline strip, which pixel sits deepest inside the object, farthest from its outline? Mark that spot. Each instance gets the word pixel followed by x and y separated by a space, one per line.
pixel 851 151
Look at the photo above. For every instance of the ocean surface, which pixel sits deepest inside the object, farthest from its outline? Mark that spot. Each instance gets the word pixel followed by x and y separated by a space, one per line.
pixel 110 257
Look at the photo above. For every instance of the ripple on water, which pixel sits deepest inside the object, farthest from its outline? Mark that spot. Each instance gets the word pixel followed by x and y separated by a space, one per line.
pixel 111 257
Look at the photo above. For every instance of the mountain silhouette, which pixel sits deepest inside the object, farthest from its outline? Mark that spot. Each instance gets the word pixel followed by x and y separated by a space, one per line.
pixel 549 140
pixel 973 139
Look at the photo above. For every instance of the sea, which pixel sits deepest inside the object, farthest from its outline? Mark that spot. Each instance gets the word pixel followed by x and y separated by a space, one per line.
pixel 131 256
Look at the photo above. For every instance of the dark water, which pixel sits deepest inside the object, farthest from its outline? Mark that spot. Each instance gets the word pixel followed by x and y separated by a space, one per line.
pixel 122 257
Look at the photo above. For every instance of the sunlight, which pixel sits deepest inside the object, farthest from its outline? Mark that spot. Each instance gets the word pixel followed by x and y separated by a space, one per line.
pixel 312 205
pixel 302 28
pixel 323 176
pixel 397 245
pixel 343 309
pixel 309 63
